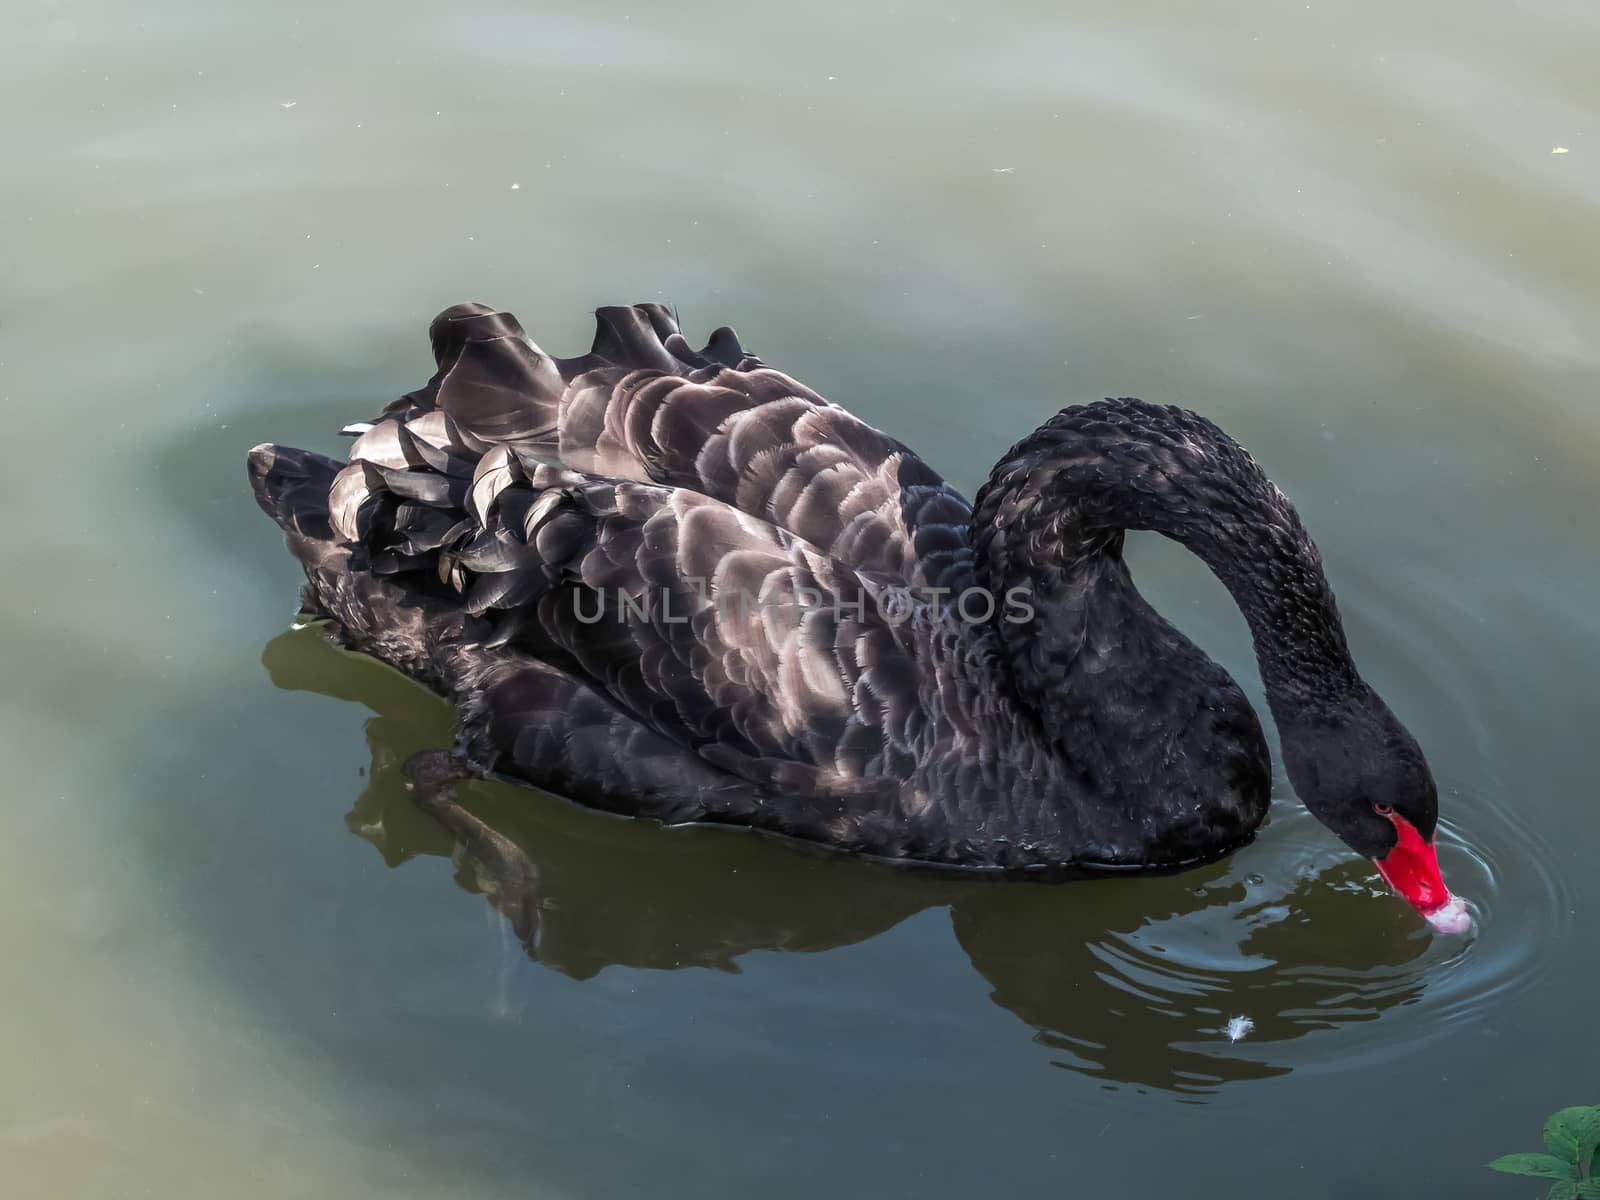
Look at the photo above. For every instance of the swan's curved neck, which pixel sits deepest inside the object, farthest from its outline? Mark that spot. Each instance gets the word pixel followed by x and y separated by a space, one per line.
pixel 1052 516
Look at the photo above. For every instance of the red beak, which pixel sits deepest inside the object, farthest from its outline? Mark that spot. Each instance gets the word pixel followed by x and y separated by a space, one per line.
pixel 1412 870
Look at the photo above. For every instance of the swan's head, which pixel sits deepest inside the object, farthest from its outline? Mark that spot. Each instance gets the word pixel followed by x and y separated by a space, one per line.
pixel 1363 776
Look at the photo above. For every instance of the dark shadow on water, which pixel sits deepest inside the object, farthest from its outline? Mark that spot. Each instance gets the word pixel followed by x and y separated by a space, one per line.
pixel 1130 980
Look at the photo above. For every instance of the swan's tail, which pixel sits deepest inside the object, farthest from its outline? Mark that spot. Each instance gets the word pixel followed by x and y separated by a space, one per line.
pixel 410 631
pixel 291 486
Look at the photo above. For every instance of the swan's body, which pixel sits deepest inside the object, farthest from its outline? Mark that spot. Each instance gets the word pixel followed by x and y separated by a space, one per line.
pixel 679 584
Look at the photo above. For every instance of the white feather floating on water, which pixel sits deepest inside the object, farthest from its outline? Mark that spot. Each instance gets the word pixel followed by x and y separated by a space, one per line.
pixel 1238 1027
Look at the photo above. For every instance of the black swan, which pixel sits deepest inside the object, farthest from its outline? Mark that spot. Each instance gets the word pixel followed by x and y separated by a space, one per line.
pixel 679 584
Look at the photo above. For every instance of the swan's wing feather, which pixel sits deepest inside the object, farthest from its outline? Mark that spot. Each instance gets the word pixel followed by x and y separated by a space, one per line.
pixel 722 632
pixel 536 722
pixel 759 440
pixel 705 628
pixel 643 405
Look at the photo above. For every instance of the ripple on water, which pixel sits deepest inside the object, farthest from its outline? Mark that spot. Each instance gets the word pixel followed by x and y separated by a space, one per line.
pixel 1309 944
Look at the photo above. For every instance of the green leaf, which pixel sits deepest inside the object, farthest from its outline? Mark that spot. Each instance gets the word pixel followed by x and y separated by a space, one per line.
pixel 1562 1191
pixel 1573 1133
pixel 1589 1142
pixel 1589 1189
pixel 1540 1166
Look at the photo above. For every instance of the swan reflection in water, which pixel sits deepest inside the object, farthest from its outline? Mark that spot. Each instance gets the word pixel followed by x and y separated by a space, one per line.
pixel 1130 980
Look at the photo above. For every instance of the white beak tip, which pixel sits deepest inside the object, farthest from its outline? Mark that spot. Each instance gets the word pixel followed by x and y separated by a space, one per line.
pixel 1451 917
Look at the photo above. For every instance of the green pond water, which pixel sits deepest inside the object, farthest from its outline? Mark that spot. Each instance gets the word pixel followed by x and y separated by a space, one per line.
pixel 238 961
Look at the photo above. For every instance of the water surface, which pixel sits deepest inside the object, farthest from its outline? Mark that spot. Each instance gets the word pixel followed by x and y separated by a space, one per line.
pixel 238 959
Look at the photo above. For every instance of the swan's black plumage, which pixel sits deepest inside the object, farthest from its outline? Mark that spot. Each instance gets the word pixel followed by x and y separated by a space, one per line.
pixel 570 548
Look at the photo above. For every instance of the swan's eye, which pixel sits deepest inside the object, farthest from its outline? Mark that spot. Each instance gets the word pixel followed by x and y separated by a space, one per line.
pixel 1383 810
